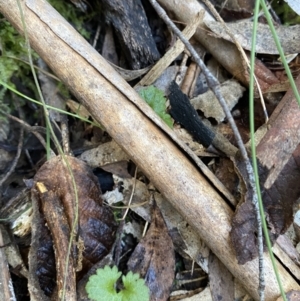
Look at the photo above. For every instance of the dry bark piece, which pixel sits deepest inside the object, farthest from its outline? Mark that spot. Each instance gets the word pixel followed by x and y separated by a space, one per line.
pixel 131 26
pixel 154 259
pixel 104 154
pixel 287 246
pixel 283 137
pixel 96 224
pixel 109 50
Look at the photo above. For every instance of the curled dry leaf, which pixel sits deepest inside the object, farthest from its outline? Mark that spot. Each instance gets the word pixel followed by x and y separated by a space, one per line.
pixel 243 233
pixel 45 261
pixel 153 258
pixel 96 226
pixel 288 35
pixel 207 102
pixel 278 202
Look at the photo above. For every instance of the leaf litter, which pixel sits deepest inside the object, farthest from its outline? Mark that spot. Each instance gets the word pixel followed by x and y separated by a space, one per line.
pixel 278 223
pixel 154 259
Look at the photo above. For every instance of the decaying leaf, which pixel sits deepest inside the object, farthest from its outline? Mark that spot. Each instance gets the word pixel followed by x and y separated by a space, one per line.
pixel 45 261
pixel 103 154
pixel 243 233
pixel 95 229
pixel 153 258
pixel 278 203
pixel 210 106
pixel 289 36
pixel 280 198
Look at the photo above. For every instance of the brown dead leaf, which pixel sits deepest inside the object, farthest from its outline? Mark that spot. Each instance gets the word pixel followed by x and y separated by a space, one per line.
pixel 279 199
pixel 54 190
pixel 207 102
pixel 243 233
pixel 154 259
pixel 278 203
pixel 45 261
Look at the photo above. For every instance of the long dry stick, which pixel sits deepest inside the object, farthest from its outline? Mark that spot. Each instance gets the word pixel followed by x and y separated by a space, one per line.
pixel 214 85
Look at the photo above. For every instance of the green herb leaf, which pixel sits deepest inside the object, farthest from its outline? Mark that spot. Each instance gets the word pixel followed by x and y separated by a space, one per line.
pixel 156 100
pixel 134 288
pixel 102 286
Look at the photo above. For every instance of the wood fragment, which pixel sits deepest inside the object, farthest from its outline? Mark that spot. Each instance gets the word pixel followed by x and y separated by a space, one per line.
pixel 131 26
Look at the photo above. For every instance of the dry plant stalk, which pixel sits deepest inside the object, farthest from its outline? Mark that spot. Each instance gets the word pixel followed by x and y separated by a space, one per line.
pixel 115 105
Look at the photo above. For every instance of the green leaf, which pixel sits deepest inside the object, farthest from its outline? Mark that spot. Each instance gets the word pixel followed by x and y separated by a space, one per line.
pixel 102 286
pixel 155 98
pixel 134 288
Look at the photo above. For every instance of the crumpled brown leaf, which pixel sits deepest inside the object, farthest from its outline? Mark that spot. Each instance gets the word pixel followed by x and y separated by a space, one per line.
pixel 96 225
pixel 278 202
pixel 154 259
pixel 243 233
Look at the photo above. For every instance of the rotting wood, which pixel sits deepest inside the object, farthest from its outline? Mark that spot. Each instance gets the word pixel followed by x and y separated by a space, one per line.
pixel 134 34
pixel 161 160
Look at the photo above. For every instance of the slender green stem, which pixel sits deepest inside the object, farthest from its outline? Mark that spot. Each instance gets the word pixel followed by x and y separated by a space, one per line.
pixel 253 149
pixel 51 132
pixel 47 106
pixel 280 50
